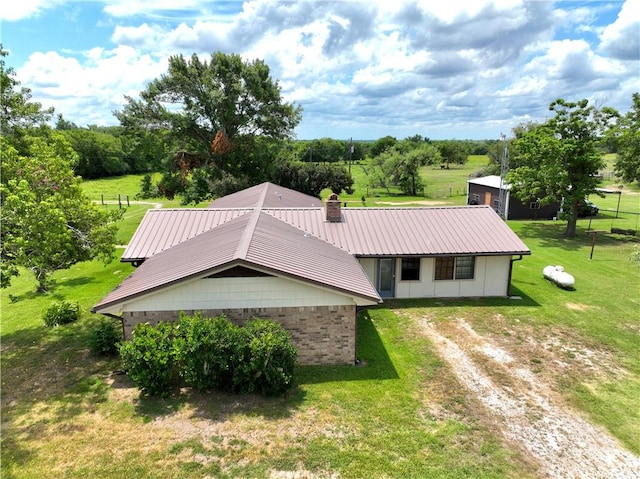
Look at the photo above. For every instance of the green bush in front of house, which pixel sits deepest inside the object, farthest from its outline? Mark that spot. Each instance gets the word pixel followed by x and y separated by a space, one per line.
pixel 211 353
pixel 105 338
pixel 205 349
pixel 61 312
pixel 268 359
pixel 149 358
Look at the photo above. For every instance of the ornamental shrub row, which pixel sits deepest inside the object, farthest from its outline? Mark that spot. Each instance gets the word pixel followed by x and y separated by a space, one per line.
pixel 210 353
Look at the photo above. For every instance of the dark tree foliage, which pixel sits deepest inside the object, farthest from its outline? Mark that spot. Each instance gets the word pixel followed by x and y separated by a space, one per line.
pixel 310 178
pixel 99 154
pixel 381 145
pixel 456 152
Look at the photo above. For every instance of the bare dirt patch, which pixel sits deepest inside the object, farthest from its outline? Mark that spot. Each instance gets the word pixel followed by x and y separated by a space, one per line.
pixel 523 404
pixel 576 306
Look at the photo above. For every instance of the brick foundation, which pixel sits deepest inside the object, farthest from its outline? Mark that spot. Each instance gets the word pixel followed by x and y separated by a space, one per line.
pixel 322 334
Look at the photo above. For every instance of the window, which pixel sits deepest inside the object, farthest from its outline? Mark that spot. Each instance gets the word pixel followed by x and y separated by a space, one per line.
pixel 445 267
pixel 455 267
pixel 465 267
pixel 534 205
pixel 410 269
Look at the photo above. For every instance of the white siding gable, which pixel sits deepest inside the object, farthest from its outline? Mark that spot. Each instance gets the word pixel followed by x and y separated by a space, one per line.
pixel 232 293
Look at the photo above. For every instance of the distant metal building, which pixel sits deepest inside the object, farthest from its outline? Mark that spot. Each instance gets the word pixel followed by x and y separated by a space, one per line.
pixel 486 191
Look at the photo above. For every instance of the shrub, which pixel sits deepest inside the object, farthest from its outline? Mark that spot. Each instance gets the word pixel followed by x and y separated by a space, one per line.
pixel 211 353
pixel 268 359
pixel 149 358
pixel 61 312
pixel 105 338
pixel 205 348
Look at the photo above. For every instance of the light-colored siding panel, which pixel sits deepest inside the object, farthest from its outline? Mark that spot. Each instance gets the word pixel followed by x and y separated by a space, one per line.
pixel 230 293
pixel 369 267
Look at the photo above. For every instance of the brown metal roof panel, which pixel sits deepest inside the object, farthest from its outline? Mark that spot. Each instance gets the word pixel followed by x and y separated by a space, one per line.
pixel 161 229
pixel 201 253
pixel 281 247
pixel 407 231
pixel 269 243
pixel 267 195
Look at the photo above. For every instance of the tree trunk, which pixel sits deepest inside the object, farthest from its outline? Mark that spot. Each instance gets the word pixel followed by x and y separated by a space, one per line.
pixel 570 232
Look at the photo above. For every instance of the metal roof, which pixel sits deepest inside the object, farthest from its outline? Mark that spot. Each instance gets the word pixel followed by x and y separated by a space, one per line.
pixel 266 195
pixel 298 242
pixel 159 232
pixel 255 240
pixel 492 181
pixel 428 231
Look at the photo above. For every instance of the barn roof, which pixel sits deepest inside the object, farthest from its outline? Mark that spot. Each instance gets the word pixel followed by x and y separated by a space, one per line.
pixel 255 240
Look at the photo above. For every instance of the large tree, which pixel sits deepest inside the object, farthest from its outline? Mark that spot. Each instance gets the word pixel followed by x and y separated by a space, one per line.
pixel 48 223
pixel 626 135
pixel 559 159
pixel 221 109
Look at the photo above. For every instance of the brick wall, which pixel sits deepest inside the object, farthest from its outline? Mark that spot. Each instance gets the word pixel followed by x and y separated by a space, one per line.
pixel 322 334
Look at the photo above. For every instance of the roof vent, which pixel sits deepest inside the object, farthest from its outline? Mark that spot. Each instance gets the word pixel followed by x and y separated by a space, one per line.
pixel 333 209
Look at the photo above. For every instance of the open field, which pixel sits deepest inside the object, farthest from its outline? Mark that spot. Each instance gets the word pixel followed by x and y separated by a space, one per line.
pixel 405 411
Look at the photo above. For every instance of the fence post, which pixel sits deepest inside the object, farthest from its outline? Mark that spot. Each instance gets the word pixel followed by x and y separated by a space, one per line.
pixel 119 201
pixel 128 201
pixel 102 199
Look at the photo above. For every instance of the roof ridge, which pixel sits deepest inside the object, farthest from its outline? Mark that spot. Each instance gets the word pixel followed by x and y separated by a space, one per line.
pixel 263 195
pixel 245 241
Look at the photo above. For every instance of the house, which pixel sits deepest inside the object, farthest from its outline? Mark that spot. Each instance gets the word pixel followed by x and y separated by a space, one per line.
pixel 486 191
pixel 271 252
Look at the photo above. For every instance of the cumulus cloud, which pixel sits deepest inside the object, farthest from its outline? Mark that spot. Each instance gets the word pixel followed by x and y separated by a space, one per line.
pixel 412 66
pixel 621 39
pixel 88 90
pixel 12 11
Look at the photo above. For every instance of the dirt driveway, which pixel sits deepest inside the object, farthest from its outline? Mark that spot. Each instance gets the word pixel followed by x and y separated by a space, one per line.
pixel 523 406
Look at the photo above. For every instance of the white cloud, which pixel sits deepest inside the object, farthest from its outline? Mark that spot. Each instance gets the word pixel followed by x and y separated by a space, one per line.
pixel 18 10
pixel 621 39
pixel 88 91
pixel 405 65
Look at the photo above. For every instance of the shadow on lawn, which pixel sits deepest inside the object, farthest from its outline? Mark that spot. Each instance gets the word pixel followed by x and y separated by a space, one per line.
pixel 219 406
pixel 550 234
pixel 518 298
pixel 375 362
pixel 48 378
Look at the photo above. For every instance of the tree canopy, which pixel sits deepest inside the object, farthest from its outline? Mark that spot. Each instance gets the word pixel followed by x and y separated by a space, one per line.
pixel 559 159
pixel 223 110
pixel 48 223
pixel 626 135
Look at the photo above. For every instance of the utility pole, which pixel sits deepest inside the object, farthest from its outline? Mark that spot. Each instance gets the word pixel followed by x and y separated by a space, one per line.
pixel 504 169
pixel 350 153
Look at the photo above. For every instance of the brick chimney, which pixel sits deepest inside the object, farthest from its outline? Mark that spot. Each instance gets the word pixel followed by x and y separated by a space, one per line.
pixel 332 207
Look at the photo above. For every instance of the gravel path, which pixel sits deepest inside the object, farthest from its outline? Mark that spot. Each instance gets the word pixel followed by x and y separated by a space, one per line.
pixel 565 444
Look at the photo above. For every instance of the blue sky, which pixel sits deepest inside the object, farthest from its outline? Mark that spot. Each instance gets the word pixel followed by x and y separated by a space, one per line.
pixel 362 69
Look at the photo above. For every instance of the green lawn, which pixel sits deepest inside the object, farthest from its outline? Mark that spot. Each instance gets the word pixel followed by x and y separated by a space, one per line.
pixel 401 413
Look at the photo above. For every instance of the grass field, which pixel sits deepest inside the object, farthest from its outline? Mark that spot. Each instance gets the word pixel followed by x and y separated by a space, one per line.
pixel 402 413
